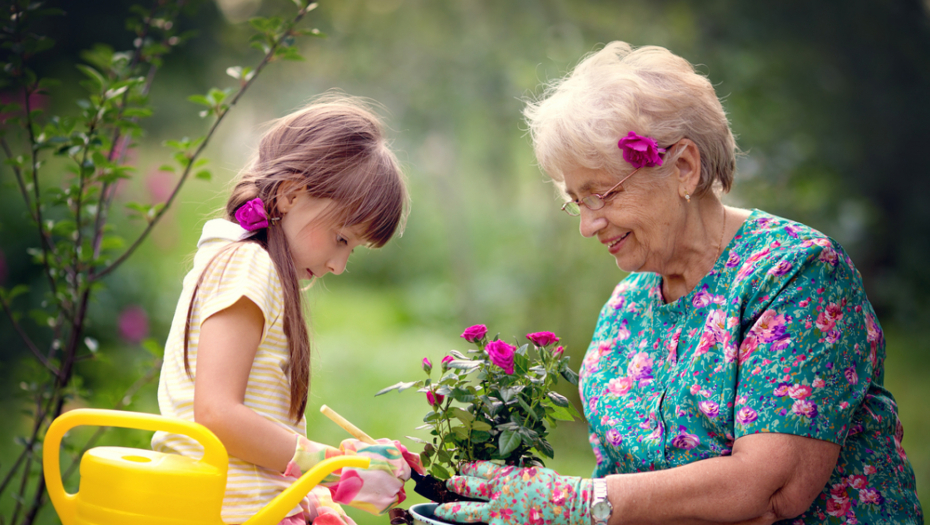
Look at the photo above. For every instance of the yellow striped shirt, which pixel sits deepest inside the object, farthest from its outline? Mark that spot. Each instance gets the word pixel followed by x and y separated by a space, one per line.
pixel 243 270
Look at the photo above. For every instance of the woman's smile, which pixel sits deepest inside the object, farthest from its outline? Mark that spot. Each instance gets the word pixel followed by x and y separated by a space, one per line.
pixel 615 244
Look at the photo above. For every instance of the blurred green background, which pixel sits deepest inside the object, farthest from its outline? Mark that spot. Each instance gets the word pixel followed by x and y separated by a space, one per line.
pixel 828 101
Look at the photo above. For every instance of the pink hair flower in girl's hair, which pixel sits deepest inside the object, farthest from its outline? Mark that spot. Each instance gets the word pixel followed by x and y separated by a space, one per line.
pixel 640 151
pixel 252 216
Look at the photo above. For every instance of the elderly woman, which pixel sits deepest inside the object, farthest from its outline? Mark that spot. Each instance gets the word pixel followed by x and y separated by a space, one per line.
pixel 736 374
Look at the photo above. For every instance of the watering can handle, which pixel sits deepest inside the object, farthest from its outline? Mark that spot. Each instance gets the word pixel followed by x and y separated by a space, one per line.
pixel 214 453
pixel 275 511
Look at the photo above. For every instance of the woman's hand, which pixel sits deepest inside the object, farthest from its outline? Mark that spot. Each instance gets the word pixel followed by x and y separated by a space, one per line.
pixel 517 495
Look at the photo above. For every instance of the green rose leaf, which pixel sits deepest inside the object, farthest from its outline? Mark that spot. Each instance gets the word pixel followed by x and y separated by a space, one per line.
pixel 509 441
pixel 558 399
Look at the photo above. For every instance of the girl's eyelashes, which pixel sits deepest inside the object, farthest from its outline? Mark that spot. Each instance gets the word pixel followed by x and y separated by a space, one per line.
pixel 342 240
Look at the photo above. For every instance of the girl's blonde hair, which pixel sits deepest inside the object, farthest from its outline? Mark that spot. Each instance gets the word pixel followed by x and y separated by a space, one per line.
pixel 579 119
pixel 334 148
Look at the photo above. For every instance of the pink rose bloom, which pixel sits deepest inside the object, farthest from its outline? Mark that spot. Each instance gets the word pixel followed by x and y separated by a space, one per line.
pixel 501 354
pixel 799 391
pixel 619 386
pixel 435 399
pixel 640 151
pixel 803 407
pixel 473 333
pixel 746 415
pixel 251 215
pixel 710 409
pixel 542 338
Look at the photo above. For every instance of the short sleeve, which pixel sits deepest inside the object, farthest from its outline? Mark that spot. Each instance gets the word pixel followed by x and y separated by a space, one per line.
pixel 804 365
pixel 242 270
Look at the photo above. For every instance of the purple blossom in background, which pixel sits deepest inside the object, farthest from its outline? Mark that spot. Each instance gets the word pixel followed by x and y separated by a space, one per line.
pixel 133 324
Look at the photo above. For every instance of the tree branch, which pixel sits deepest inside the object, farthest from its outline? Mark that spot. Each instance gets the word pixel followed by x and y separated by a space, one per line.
pixel 219 118
pixel 25 337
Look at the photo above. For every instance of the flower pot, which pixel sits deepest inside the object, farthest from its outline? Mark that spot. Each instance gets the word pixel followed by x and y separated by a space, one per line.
pixel 422 514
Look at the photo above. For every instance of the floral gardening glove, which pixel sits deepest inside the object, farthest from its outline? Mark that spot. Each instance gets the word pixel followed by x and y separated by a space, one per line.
pixel 306 456
pixel 380 486
pixel 375 489
pixel 322 510
pixel 532 495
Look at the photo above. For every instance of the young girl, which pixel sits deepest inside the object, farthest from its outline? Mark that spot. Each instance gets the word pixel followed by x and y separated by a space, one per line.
pixel 237 359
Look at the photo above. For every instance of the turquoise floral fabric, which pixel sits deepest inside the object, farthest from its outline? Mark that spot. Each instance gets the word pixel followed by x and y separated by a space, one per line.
pixel 778 337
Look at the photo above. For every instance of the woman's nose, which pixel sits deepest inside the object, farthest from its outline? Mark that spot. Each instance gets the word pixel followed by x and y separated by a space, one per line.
pixel 591 222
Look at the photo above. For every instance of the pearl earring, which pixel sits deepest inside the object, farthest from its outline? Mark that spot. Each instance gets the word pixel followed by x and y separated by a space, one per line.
pixel 688 197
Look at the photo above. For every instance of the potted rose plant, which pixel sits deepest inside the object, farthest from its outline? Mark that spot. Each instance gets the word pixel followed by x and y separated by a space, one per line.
pixel 493 402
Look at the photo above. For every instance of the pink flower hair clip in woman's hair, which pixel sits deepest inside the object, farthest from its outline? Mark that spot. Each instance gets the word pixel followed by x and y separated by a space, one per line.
pixel 252 215
pixel 640 151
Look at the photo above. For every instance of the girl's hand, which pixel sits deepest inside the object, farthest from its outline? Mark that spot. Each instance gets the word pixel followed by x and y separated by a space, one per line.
pixel 375 489
pixel 517 495
pixel 380 486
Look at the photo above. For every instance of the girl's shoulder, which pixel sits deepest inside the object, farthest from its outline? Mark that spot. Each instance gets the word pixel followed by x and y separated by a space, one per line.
pixel 237 263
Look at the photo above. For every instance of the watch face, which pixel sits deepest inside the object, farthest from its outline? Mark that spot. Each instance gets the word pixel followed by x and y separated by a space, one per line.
pixel 601 510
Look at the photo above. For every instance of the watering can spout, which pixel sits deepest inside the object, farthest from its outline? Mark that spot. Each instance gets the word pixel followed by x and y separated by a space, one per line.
pixel 125 485
pixel 275 511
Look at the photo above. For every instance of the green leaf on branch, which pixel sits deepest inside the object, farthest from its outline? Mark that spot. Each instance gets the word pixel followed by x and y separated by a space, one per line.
pixel 439 471
pixel 508 442
pixel 400 387
pixel 204 175
pixel 558 399
pixel 97 80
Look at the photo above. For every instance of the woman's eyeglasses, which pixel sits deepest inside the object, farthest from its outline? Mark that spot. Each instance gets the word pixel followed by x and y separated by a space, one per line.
pixel 595 201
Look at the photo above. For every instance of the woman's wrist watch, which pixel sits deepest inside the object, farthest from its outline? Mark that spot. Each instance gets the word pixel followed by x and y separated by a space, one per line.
pixel 601 509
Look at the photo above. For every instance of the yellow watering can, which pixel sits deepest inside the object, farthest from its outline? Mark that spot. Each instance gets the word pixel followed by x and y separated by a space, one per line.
pixel 122 485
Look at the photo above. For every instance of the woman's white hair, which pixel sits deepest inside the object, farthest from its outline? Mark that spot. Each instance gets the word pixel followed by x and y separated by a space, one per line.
pixel 579 119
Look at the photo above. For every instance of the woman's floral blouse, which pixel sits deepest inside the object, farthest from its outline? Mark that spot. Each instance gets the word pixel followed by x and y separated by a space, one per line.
pixel 779 337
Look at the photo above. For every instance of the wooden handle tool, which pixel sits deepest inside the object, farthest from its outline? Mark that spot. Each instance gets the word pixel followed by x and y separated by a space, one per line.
pixel 348 427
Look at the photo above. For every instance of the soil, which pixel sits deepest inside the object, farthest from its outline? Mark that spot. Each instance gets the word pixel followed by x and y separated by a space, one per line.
pixel 434 489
